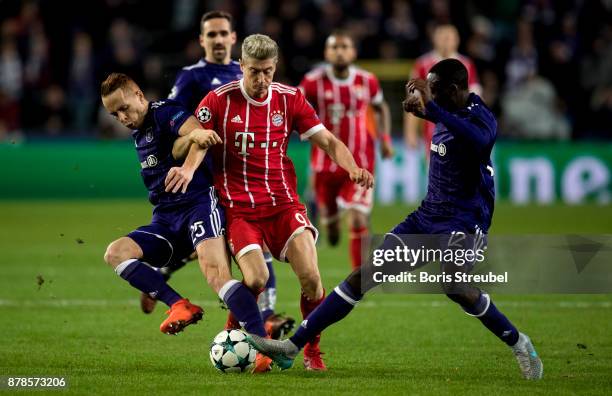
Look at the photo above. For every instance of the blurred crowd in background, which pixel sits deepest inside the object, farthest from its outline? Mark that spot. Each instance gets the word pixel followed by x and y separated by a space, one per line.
pixel 545 66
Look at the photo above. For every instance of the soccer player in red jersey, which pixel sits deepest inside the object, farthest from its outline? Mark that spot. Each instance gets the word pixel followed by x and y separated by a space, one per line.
pixel 256 179
pixel 445 40
pixel 341 94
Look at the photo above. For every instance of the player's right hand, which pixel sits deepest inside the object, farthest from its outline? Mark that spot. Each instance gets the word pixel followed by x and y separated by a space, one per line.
pixel 414 102
pixel 420 88
pixel 178 178
pixel 362 177
pixel 205 137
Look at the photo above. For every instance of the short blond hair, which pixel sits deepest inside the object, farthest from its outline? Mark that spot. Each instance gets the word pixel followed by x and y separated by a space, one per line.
pixel 260 47
pixel 116 81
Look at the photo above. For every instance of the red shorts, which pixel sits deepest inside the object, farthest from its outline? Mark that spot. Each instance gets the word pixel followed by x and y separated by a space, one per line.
pixel 335 190
pixel 248 229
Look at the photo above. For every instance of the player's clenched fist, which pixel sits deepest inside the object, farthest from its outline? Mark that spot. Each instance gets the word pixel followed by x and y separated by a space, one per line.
pixel 418 86
pixel 205 137
pixel 178 178
pixel 362 177
pixel 417 94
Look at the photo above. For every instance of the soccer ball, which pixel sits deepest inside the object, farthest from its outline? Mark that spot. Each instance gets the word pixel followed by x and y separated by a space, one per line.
pixel 231 353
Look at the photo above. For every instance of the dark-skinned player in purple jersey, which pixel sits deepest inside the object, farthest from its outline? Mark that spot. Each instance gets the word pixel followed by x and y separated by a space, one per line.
pixel 460 199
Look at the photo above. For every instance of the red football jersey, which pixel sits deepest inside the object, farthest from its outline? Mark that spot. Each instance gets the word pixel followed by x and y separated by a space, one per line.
pixel 342 106
pixel 251 167
pixel 421 69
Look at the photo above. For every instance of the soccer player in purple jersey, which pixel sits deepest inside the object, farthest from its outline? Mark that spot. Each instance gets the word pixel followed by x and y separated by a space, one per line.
pixel 185 219
pixel 459 201
pixel 217 36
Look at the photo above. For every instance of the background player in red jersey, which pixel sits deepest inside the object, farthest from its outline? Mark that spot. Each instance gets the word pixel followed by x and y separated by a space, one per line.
pixel 341 94
pixel 256 180
pixel 445 40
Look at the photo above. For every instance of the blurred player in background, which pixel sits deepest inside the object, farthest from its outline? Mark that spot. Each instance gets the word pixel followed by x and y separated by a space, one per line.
pixel 341 94
pixel 217 36
pixel 459 202
pixel 445 40
pixel 194 82
pixel 257 182
pixel 182 223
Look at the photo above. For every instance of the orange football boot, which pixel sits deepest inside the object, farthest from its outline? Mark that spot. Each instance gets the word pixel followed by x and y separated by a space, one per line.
pixel 181 314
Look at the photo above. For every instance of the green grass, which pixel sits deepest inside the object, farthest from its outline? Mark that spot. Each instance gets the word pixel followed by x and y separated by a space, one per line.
pixel 84 323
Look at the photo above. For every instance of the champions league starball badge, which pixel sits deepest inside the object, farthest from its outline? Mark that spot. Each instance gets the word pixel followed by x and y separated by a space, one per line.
pixel 204 114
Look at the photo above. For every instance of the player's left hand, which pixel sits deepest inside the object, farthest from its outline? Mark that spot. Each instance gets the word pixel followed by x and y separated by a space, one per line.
pixel 178 178
pixel 362 177
pixel 413 104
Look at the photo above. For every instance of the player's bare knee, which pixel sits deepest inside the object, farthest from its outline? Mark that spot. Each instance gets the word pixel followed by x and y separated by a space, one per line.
pixel 254 270
pixel 214 263
pixel 216 276
pixel 210 269
pixel 311 284
pixel 114 255
pixel 256 279
pixel 256 282
pixel 118 251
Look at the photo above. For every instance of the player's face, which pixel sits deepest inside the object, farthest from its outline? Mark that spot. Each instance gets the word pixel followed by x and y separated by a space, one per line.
pixel 444 95
pixel 258 75
pixel 340 51
pixel 217 40
pixel 128 106
pixel 446 40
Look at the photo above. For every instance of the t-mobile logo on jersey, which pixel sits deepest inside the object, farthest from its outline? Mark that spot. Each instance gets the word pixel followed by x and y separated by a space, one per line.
pixel 242 141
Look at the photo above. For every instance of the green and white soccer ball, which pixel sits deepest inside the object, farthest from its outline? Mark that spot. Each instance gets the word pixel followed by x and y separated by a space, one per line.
pixel 231 353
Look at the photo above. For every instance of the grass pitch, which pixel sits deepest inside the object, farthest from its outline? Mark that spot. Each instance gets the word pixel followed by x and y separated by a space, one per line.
pixel 65 313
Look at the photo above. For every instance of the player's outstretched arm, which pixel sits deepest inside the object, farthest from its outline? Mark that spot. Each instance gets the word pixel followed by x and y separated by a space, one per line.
pixel 473 129
pixel 341 155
